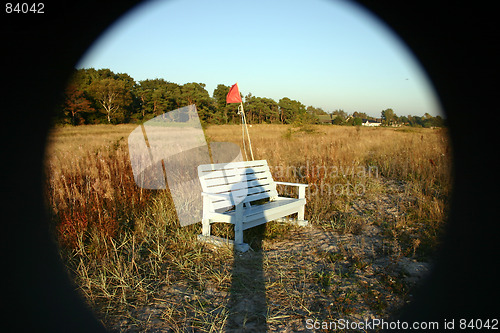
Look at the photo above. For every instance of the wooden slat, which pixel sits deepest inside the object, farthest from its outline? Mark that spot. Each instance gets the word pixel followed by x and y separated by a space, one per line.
pixel 257 196
pixel 215 188
pixel 243 181
pixel 239 199
pixel 253 190
pixel 242 198
pixel 236 169
pixel 222 166
pixel 244 191
pixel 222 204
pixel 234 178
pixel 242 188
pixel 233 172
pixel 262 176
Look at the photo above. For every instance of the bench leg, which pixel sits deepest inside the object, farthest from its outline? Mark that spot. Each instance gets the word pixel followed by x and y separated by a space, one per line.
pixel 205 227
pixel 238 233
pixel 238 224
pixel 300 215
pixel 300 218
pixel 238 238
pixel 238 230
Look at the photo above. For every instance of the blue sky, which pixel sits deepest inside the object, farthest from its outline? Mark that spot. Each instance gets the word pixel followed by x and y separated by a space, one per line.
pixel 331 54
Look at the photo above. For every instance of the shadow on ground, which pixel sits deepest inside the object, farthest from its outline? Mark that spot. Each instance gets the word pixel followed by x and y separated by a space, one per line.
pixel 248 303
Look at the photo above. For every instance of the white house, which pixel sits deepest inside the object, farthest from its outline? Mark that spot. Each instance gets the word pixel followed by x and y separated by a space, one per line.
pixel 370 123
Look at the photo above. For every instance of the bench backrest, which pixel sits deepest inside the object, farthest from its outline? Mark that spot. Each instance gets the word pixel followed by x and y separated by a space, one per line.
pixel 243 181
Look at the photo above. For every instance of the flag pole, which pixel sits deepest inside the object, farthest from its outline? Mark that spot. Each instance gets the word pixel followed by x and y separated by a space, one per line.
pixel 244 122
pixel 243 131
pixel 233 96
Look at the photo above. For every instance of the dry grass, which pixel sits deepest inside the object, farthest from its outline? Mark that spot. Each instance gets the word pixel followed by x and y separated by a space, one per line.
pixel 140 270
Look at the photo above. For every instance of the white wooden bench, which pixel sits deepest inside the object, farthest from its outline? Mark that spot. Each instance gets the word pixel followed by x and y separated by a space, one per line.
pixel 244 194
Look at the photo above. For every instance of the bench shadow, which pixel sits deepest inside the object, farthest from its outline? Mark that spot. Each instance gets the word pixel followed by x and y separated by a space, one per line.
pixel 248 302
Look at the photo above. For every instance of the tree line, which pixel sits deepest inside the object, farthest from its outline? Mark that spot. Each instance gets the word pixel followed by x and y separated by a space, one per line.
pixel 388 118
pixel 96 96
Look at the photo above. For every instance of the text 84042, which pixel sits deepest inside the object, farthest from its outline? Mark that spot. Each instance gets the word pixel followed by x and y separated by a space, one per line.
pixel 24 8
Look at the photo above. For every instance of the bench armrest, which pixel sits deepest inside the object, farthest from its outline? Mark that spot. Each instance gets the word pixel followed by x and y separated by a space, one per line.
pixel 291 184
pixel 302 188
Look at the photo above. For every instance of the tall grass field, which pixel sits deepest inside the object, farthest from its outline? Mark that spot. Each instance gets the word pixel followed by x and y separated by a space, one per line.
pixel 376 204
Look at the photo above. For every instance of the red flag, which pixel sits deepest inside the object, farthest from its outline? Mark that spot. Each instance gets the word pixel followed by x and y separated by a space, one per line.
pixel 233 96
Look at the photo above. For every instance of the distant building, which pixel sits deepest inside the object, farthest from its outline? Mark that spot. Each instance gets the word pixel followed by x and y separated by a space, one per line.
pixel 326 118
pixel 371 123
